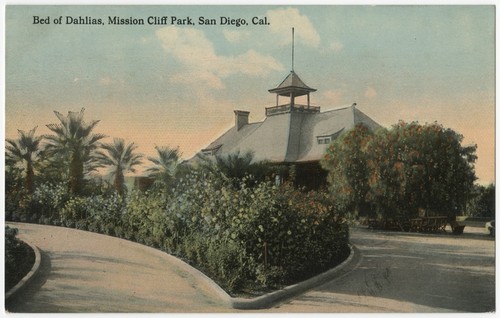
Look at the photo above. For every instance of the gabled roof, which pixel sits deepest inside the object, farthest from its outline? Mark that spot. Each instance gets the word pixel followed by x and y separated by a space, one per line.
pixel 329 124
pixel 292 83
pixel 273 129
pixel 292 136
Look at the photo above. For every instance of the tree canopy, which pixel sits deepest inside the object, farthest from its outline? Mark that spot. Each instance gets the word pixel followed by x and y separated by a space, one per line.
pixel 120 158
pixel 165 165
pixel 403 170
pixel 74 143
pixel 346 162
pixel 24 150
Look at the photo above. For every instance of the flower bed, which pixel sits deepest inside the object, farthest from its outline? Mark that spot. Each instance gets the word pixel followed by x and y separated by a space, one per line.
pixel 249 239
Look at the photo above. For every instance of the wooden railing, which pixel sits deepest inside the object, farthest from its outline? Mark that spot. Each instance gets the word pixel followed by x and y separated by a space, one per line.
pixel 288 108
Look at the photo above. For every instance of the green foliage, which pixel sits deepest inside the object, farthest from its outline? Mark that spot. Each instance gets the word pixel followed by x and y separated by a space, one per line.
pixel 19 258
pixel 403 169
pixel 346 160
pixel 144 219
pixel 74 210
pixel 25 150
pixel 482 202
pixel 120 158
pixel 104 213
pixel 49 200
pixel 245 237
pixel 420 166
pixel 261 230
pixel 14 192
pixel 96 213
pixel 237 166
pixel 165 166
pixel 73 144
pixel 226 217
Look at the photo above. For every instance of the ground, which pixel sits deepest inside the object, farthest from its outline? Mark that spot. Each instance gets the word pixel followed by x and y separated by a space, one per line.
pixel 392 272
pixel 410 272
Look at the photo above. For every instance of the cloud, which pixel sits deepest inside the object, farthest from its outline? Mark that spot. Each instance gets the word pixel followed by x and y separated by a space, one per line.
pixel 282 20
pixel 250 63
pixel 332 98
pixel 336 46
pixel 196 54
pixel 186 78
pixel 370 92
pixel 105 81
pixel 235 36
pixel 145 40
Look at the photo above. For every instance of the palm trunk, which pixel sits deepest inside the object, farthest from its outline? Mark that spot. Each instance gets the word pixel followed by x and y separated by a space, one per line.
pixel 76 174
pixel 30 174
pixel 119 181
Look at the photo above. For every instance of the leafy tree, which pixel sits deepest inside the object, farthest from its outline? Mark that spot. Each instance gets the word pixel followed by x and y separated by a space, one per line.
pixel 482 202
pixel 165 165
pixel 401 170
pixel 415 166
pixel 25 150
pixel 121 159
pixel 54 168
pixel 346 162
pixel 74 144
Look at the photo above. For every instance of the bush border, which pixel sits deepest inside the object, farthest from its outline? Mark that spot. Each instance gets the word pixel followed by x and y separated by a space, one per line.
pixel 271 299
pixel 29 276
pixel 261 302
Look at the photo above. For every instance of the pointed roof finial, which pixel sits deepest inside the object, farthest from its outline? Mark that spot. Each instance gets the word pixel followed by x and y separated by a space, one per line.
pixel 293 45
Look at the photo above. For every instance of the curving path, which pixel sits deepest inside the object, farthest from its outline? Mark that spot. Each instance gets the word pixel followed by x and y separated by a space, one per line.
pixel 393 272
pixel 410 272
pixel 88 272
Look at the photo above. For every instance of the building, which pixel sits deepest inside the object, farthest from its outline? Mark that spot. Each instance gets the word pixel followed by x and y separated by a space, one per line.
pixel 291 134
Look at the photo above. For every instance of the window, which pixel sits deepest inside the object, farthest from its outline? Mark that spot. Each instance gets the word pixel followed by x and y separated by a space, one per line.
pixel 324 140
pixel 210 151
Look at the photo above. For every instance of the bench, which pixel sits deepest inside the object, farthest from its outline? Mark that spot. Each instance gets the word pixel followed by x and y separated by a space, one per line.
pixel 429 224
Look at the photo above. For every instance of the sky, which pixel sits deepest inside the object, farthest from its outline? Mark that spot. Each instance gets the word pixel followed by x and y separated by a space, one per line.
pixel 177 85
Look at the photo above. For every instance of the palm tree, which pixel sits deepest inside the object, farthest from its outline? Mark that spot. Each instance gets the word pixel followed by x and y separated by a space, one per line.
pixel 121 159
pixel 238 165
pixel 165 165
pixel 24 150
pixel 75 144
pixel 235 165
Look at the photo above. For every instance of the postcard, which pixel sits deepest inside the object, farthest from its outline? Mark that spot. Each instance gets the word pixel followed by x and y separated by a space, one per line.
pixel 262 158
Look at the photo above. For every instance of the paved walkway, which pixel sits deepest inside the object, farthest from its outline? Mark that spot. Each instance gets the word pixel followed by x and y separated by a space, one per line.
pixel 410 272
pixel 396 272
pixel 88 272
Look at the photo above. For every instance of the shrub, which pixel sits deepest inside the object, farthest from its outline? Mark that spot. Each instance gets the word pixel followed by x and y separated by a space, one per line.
pixel 19 258
pixel 48 201
pixel 482 202
pixel 105 213
pixel 246 235
pixel 144 218
pixel 273 235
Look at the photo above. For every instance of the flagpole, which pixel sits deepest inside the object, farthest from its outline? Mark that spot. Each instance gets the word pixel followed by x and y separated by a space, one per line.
pixel 293 45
